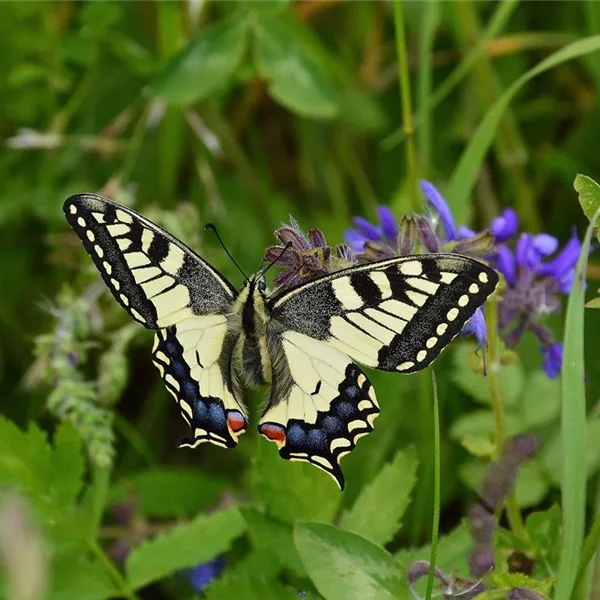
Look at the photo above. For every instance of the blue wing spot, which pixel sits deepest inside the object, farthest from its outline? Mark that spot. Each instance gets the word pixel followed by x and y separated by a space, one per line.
pixel 316 438
pixel 178 368
pixel 171 348
pixel 200 410
pixel 216 414
pixel 351 391
pixel 345 409
pixel 295 435
pixel 331 424
pixel 190 390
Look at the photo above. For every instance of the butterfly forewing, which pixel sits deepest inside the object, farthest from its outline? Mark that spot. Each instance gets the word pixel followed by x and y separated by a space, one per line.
pixel 393 315
pixel 321 403
pixel 165 286
pixel 155 277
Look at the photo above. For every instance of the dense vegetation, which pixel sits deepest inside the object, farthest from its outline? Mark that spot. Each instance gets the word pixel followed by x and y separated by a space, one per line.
pixel 243 114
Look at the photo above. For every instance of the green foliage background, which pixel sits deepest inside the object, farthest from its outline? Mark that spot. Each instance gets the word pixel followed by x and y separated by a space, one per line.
pixel 241 114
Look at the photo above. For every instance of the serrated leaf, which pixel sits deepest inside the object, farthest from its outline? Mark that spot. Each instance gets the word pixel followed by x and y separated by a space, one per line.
pixel 184 546
pixel 169 492
pixel 67 463
pixel 377 512
pixel 249 588
pixel 478 445
pixel 205 65
pixel 541 400
pixel 268 534
pixel 294 77
pixel 75 577
pixel 346 566
pixel 508 581
pixel 292 491
pixel 452 554
pixel 477 385
pixel 589 196
pixel 28 464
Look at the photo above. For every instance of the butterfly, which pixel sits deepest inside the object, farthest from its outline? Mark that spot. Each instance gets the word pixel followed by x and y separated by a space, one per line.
pixel 395 315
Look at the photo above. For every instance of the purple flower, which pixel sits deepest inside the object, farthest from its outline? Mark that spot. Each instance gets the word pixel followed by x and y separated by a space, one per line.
pixel 506 225
pixel 386 231
pixel 553 357
pixel 441 206
pixel 204 573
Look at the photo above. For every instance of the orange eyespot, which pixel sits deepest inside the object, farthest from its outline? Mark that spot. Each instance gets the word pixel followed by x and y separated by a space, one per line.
pixel 236 421
pixel 275 433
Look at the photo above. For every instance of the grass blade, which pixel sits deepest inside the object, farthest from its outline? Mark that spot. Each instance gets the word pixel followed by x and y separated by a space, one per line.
pixel 573 428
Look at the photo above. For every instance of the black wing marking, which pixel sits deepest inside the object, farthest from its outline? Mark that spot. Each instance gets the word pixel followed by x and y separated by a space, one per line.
pixel 154 276
pixel 194 360
pixel 321 403
pixel 394 315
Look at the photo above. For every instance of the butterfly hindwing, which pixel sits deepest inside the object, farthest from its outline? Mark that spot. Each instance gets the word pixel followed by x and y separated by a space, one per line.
pixel 394 315
pixel 321 403
pixel 194 360
pixel 154 276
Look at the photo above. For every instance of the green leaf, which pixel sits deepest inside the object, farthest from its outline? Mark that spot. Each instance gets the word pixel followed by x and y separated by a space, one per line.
pixel 184 546
pixel 478 445
pixel 49 478
pixel 477 385
pixel 589 196
pixel 75 577
pixel 543 528
pixel 507 581
pixel 376 520
pixel 294 77
pixel 268 534
pixel 292 490
pixel 469 167
pixel 249 588
pixel 552 453
pixel 205 65
pixel 346 566
pixel 481 422
pixel 452 553
pixel 169 492
pixel 573 427
pixel 67 463
pixel 541 401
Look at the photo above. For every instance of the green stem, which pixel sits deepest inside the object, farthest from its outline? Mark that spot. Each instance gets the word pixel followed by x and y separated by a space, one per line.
pixel 135 145
pixel 590 546
pixel 405 97
pixel 431 18
pixel 113 572
pixel 437 486
pixel 493 371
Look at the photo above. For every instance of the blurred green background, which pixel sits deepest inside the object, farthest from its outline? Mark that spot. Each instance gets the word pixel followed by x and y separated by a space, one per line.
pixel 242 113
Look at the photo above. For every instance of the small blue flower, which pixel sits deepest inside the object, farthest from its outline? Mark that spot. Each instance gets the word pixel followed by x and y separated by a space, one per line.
pixel 202 574
pixel 476 326
pixel 506 225
pixel 441 206
pixel 386 232
pixel 562 267
pixel 553 358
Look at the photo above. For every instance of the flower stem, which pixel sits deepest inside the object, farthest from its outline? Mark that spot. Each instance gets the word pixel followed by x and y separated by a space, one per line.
pixel 405 97
pixel 113 572
pixel 493 370
pixel 437 484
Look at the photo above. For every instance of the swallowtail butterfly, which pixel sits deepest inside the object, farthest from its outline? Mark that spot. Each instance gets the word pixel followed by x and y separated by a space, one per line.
pixel 395 315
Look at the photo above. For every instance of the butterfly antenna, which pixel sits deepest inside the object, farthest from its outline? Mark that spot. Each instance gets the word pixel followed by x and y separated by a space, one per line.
pixel 277 258
pixel 213 228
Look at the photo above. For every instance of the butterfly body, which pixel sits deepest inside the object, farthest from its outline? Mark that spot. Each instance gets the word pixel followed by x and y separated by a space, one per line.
pixel 394 315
